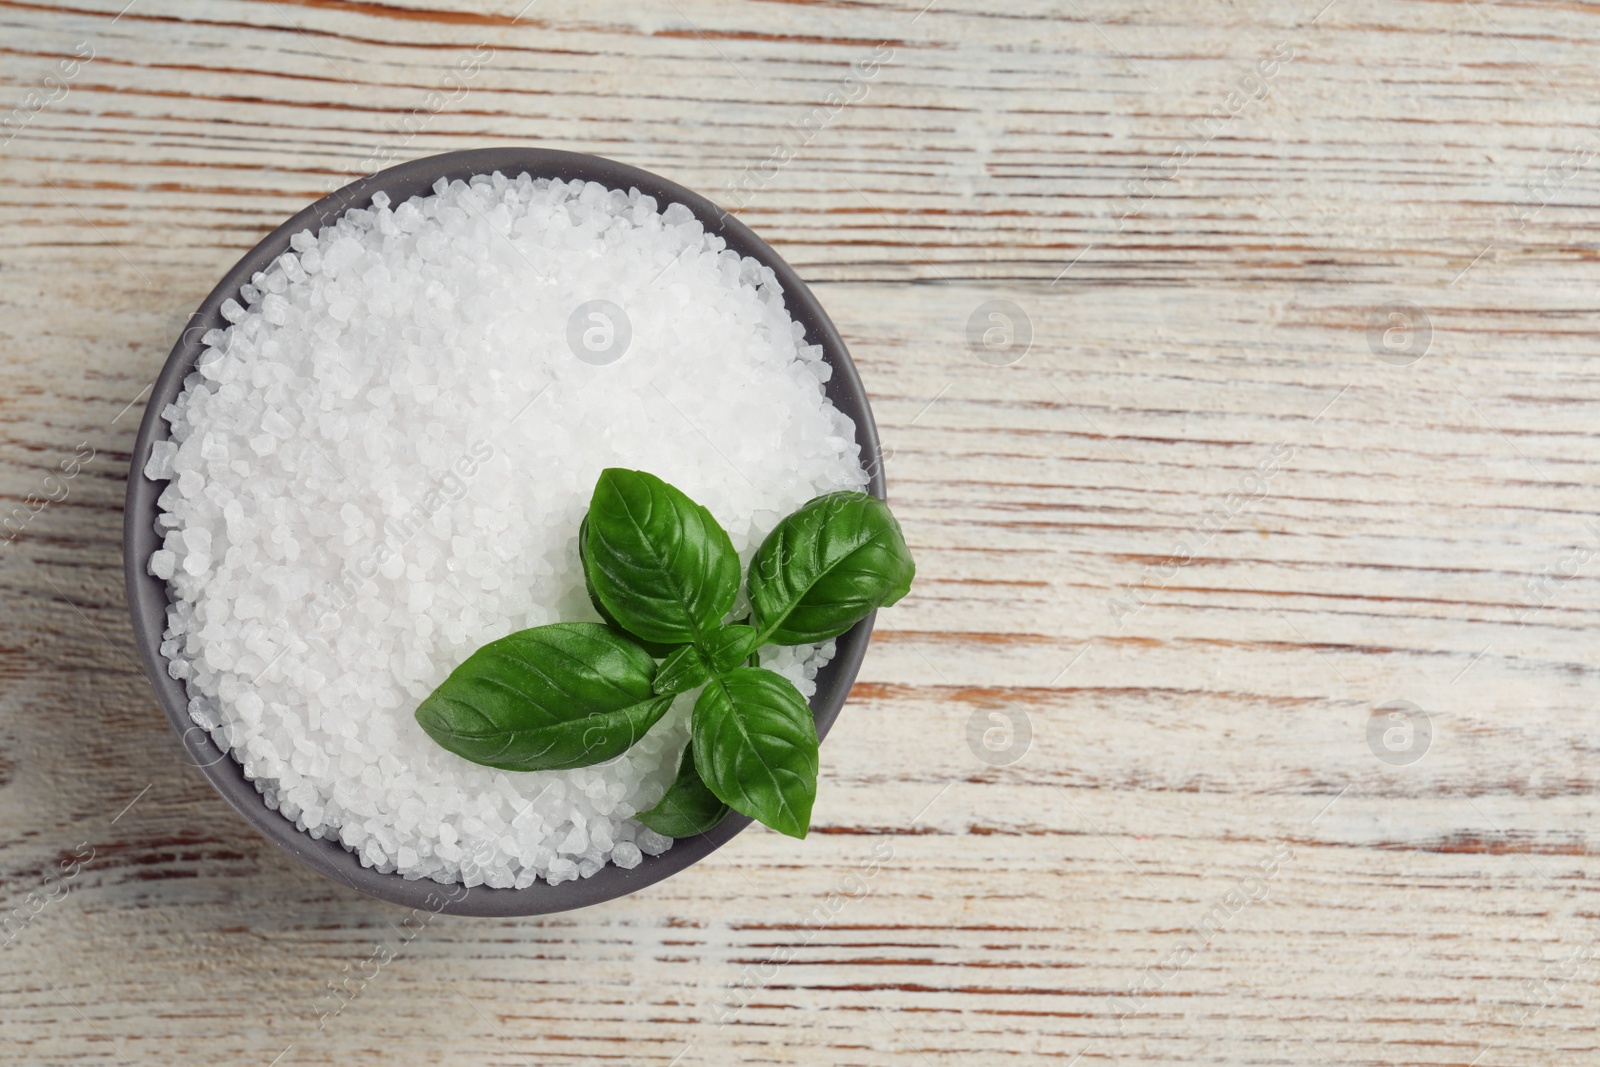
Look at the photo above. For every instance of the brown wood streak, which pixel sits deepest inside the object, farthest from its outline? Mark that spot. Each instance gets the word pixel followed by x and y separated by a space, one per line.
pixel 360 7
pixel 1017 911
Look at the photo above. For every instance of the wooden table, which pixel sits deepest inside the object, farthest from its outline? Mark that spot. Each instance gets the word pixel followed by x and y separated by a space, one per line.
pixel 1244 711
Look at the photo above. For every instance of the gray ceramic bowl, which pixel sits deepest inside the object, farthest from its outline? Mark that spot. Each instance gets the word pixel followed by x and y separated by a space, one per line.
pixel 147 596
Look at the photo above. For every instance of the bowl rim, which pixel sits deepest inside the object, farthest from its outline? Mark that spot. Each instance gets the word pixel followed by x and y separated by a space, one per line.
pixel 148 599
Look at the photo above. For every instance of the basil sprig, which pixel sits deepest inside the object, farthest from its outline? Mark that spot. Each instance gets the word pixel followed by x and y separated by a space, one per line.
pixel 663 575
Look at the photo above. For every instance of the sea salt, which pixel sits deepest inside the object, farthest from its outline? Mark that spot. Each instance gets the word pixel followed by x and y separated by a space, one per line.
pixel 380 465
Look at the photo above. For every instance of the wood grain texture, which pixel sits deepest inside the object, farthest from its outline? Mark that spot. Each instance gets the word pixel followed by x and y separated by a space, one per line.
pixel 1199 270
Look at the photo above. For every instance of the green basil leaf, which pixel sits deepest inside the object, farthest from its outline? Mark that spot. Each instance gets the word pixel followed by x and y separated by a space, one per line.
pixel 682 671
pixel 826 567
pixel 659 562
pixel 689 808
pixel 755 746
pixel 550 698
pixel 729 646
pixel 654 648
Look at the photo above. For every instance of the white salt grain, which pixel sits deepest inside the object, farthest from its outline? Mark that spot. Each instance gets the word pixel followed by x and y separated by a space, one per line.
pixel 381 465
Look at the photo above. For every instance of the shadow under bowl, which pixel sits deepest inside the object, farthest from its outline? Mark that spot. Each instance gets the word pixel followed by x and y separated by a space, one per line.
pixel 148 597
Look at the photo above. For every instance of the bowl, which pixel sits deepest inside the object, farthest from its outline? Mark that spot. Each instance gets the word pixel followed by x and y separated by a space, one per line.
pixel 148 599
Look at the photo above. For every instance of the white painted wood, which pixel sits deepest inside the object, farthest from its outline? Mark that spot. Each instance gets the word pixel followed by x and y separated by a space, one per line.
pixel 1433 913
